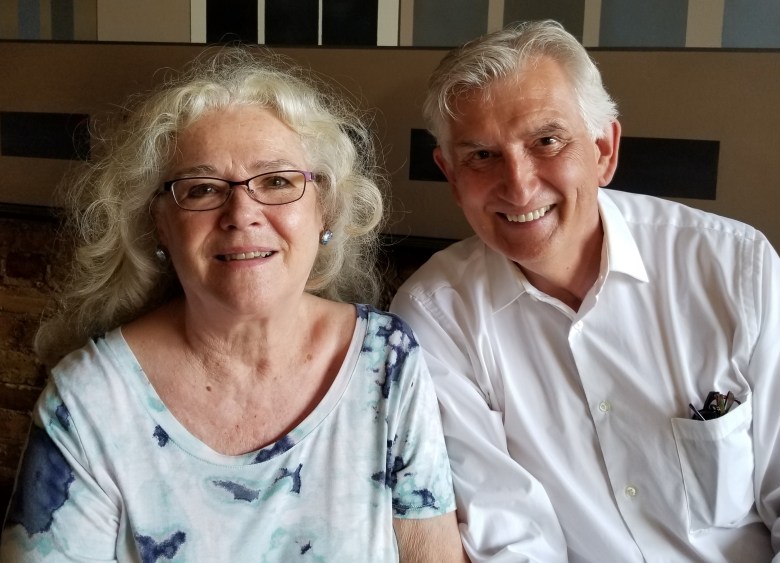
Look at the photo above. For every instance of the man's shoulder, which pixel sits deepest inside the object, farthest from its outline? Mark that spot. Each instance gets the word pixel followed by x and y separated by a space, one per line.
pixel 449 268
pixel 639 210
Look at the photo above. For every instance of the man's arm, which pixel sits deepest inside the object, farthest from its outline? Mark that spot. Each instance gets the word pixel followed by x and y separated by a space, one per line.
pixel 429 540
pixel 505 515
pixel 764 371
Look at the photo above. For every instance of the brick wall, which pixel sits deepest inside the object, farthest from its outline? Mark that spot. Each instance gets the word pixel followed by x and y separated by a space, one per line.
pixel 30 271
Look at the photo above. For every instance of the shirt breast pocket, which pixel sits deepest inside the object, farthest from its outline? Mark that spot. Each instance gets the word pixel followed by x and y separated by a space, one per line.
pixel 716 457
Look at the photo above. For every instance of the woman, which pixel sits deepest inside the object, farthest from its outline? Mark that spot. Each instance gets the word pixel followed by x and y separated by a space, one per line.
pixel 242 410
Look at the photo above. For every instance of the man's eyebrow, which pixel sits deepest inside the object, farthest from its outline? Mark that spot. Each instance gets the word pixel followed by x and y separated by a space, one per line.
pixel 469 144
pixel 549 129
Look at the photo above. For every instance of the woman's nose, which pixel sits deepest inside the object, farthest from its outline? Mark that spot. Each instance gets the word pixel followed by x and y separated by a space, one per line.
pixel 241 210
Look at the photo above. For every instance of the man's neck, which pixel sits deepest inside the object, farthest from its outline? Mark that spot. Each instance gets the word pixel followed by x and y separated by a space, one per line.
pixel 570 280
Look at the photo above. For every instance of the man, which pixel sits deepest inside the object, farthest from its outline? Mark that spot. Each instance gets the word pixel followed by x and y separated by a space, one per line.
pixel 575 337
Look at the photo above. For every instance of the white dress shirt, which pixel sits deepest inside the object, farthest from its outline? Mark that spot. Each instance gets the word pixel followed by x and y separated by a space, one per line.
pixel 557 420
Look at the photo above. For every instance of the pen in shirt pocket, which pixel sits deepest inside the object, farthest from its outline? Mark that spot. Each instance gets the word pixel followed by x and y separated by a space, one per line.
pixel 715 405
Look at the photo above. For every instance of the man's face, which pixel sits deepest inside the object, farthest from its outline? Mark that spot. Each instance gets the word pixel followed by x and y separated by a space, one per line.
pixel 524 169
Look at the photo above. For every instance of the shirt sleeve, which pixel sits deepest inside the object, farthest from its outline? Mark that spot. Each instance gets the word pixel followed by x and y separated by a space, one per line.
pixel 58 512
pixel 505 514
pixel 764 371
pixel 418 470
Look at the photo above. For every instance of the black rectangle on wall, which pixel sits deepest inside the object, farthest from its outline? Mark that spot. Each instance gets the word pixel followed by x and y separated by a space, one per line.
pixel 292 22
pixel 231 20
pixel 349 22
pixel 421 163
pixel 44 135
pixel 667 167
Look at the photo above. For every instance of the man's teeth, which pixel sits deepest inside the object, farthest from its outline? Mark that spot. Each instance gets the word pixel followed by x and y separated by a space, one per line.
pixel 247 255
pixel 531 216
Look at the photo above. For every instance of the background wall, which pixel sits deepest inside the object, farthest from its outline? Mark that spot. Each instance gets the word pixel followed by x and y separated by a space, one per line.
pixel 722 99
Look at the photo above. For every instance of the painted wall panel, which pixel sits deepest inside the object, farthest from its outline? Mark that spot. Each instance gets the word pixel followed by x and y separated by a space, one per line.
pixel 443 23
pixel 570 13
pixel 751 23
pixel 349 22
pixel 638 23
pixel 231 20
pixel 144 20
pixel 292 22
pixel 718 96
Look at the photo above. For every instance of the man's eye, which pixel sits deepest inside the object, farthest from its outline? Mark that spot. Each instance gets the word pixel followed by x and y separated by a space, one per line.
pixel 480 155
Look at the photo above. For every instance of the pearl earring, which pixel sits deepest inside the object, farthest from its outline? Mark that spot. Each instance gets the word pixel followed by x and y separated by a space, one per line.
pixel 325 237
pixel 161 255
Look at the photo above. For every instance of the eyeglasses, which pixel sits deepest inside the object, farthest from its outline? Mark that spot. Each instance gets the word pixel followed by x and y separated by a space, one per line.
pixel 270 188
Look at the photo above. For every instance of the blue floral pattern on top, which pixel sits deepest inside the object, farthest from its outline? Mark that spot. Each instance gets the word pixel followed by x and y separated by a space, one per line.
pixel 106 455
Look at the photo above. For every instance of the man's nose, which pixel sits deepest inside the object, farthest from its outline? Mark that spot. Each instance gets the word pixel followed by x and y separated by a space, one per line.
pixel 521 179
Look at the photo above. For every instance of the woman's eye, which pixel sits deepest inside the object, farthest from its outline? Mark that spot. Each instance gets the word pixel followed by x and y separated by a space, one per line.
pixel 202 190
pixel 276 182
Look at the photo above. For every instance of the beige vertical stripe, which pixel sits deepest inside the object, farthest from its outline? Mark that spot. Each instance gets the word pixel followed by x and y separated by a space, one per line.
pixel 261 22
pixel 9 19
pixel 591 24
pixel 406 24
pixel 197 21
pixel 495 16
pixel 45 19
pixel 705 23
pixel 388 13
pixel 84 20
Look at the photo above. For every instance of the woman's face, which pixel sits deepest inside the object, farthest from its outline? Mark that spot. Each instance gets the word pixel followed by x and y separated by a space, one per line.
pixel 244 256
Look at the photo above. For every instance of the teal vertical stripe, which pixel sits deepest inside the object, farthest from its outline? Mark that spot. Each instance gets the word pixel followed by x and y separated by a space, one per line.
pixel 29 19
pixel 446 23
pixel 640 23
pixel 751 24
pixel 62 20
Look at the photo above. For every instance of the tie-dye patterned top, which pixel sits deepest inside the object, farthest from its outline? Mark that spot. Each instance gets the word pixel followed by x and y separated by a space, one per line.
pixel 110 475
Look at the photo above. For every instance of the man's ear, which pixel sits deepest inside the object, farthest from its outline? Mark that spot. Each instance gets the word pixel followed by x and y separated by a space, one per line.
pixel 607 151
pixel 446 168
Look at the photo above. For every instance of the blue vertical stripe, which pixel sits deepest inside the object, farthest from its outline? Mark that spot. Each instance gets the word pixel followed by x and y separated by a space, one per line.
pixel 447 23
pixel 751 23
pixel 639 23
pixel 29 19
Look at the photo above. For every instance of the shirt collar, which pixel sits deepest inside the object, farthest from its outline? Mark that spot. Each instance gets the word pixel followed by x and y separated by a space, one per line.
pixel 622 252
pixel 507 282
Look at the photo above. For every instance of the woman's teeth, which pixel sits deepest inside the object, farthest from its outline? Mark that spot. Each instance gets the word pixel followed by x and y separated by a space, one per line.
pixel 246 255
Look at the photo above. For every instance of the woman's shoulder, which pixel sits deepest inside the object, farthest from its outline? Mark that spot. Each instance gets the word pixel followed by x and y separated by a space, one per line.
pixel 387 326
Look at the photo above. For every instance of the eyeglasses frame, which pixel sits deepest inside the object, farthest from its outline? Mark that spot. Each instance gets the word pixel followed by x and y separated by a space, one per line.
pixel 307 177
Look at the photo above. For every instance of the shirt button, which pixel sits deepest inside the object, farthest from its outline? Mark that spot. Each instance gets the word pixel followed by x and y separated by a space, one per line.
pixel 604 406
pixel 578 326
pixel 631 491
